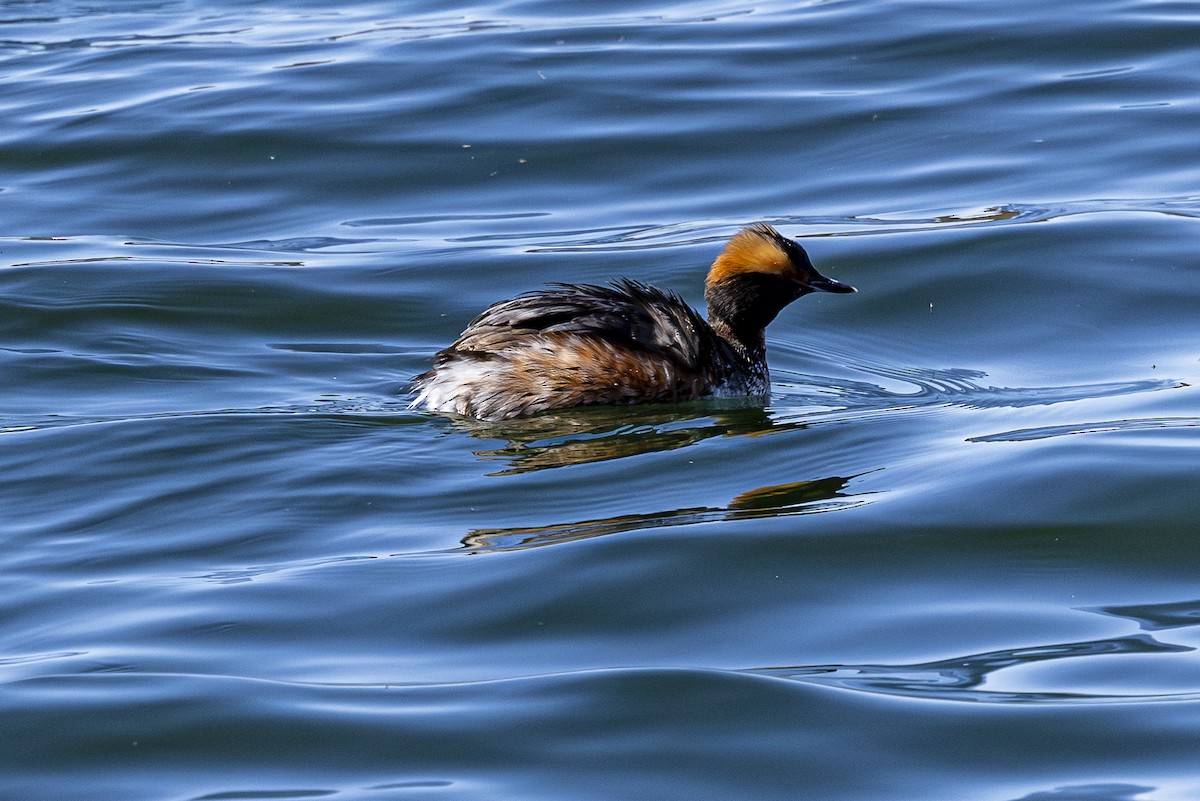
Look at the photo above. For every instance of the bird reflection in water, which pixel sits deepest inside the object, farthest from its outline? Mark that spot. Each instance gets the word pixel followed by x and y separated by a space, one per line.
pixel 800 497
pixel 597 434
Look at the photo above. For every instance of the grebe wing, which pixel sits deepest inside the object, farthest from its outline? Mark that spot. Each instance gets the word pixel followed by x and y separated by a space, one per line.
pixel 627 313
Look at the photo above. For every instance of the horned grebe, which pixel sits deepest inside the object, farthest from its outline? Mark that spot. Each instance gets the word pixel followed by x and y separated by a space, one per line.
pixel 581 345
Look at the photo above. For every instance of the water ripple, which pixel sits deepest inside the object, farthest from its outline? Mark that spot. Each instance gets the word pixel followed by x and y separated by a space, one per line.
pixel 952 387
pixel 1107 791
pixel 1156 617
pixel 1107 426
pixel 432 232
pixel 961 678
pixel 638 237
pixel 333 409
pixel 306 244
pixel 264 795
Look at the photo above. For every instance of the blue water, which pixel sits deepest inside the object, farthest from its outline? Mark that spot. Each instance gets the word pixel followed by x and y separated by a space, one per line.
pixel 955 557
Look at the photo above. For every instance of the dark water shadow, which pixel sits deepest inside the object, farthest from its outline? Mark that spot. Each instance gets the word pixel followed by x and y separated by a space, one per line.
pixel 962 678
pixel 783 500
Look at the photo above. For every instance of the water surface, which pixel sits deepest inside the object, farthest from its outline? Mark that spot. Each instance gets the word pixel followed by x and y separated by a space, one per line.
pixel 954 558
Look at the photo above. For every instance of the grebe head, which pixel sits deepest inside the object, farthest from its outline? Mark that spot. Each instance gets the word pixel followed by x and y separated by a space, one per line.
pixel 758 273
